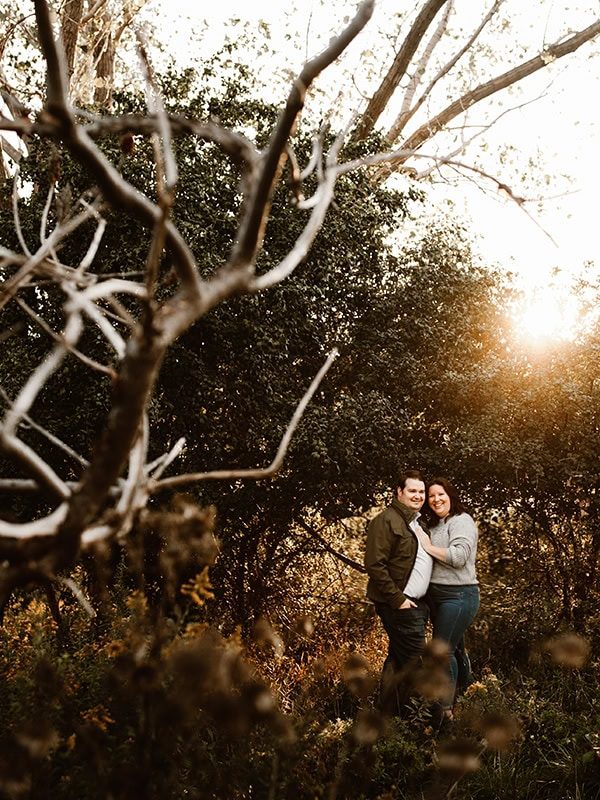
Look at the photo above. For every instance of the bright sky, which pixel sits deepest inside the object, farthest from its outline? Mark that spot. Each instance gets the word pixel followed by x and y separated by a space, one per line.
pixel 561 131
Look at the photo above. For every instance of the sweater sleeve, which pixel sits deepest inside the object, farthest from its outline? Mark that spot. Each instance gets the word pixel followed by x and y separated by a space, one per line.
pixel 462 544
pixel 378 551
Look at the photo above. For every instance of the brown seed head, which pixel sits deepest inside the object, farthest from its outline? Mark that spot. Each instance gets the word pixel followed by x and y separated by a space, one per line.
pixel 499 730
pixel 568 650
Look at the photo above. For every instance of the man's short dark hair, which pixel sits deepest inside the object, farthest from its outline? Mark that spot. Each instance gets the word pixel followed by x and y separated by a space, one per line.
pixel 408 473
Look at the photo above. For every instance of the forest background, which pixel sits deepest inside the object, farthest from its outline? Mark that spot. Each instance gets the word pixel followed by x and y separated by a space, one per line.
pixel 217 642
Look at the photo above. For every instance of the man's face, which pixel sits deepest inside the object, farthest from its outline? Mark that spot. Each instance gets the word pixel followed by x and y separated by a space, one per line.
pixel 413 494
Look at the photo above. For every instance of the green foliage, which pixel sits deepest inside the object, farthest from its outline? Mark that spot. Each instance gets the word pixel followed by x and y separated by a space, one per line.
pixel 152 696
pixel 427 375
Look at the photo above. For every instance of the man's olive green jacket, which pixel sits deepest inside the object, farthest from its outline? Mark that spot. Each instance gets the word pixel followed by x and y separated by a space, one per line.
pixel 390 554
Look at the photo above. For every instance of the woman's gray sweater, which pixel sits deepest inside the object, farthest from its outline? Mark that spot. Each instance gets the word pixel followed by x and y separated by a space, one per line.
pixel 458 534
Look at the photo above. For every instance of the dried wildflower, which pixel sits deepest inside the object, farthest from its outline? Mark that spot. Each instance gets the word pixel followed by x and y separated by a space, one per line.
pixel 184 542
pixel 137 603
pixel 568 650
pixel 335 730
pixel 114 648
pixel 193 630
pixel 474 688
pixel 98 717
pixel 199 588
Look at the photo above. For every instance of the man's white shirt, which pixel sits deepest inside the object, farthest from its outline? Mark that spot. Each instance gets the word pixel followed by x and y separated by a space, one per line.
pixel 418 580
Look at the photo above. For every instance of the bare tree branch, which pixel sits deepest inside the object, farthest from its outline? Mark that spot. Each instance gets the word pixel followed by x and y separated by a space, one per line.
pixel 49 436
pixel 34 464
pixel 11 286
pixel 156 107
pixel 31 530
pixel 407 112
pixel 236 145
pixel 81 520
pixel 7 147
pixel 350 562
pixel 419 70
pixel 322 197
pixel 252 224
pixel 57 81
pixel 394 75
pixel 23 403
pixel 481 130
pixel 21 485
pixel 501 186
pixel 115 189
pixel 484 90
pixel 274 466
pixel 16 217
pixel 88 259
pixel 45 212
pixel 77 593
pixel 158 467
pixel 93 11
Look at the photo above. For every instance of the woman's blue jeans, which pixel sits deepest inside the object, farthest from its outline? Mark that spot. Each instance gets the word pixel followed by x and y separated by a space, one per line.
pixel 453 608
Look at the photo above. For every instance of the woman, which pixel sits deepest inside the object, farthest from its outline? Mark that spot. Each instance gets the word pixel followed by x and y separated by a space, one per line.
pixel 453 592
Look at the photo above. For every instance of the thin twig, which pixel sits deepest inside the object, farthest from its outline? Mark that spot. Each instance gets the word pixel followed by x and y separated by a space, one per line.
pixel 87 260
pixel 45 212
pixel 12 285
pixel 160 465
pixel 275 465
pixel 420 68
pixel 77 593
pixel 47 526
pixel 92 12
pixel 406 114
pixel 89 362
pixel 50 436
pixel 16 217
pixel 156 107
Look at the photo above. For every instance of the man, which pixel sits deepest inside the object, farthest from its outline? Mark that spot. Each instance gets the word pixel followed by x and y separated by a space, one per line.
pixel 399 570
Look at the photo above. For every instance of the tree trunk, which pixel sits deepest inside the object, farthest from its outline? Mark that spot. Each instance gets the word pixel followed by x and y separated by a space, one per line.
pixel 70 22
pixel 104 62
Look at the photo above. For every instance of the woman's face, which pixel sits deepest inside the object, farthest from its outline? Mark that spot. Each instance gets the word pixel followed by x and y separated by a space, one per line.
pixel 438 500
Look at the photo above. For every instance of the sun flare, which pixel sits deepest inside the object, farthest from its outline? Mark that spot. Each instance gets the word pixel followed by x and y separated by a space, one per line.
pixel 546 316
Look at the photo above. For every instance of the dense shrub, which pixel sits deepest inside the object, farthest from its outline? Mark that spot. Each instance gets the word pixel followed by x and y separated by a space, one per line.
pixel 152 705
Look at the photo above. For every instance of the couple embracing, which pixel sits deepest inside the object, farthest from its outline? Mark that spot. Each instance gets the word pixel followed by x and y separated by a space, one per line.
pixel 416 572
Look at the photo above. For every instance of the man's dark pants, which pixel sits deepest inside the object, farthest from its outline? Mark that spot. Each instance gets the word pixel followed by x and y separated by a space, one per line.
pixel 405 628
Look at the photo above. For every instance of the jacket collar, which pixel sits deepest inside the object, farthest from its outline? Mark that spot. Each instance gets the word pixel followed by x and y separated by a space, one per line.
pixel 407 513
